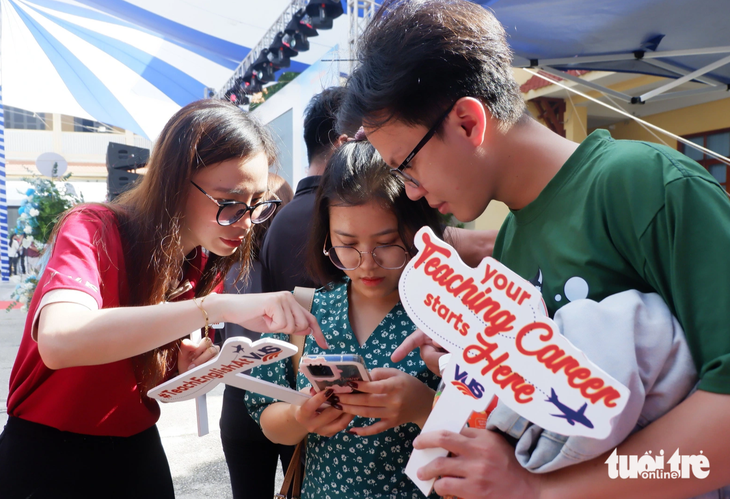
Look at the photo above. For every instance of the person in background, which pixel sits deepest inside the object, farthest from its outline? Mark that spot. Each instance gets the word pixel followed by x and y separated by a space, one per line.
pixel 13 254
pixel 21 254
pixel 282 253
pixel 32 256
pixel 250 456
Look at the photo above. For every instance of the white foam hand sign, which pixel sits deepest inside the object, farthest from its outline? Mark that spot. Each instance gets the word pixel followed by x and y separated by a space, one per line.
pixel 494 324
pixel 237 354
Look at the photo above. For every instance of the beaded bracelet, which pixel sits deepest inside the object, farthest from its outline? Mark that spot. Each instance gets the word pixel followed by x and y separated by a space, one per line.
pixel 205 315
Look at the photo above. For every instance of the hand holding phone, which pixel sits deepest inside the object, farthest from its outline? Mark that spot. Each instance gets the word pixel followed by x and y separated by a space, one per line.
pixel 333 371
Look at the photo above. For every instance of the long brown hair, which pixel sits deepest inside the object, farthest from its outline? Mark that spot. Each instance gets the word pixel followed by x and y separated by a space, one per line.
pixel 150 215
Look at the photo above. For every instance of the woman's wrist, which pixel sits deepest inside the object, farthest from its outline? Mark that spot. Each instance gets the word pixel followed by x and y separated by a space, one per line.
pixel 297 427
pixel 217 307
pixel 279 424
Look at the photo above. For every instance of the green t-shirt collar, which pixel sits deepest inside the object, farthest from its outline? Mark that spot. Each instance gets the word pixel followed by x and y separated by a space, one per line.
pixel 560 180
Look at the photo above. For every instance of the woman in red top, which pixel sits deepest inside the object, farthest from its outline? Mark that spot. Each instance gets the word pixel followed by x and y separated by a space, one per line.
pixel 125 282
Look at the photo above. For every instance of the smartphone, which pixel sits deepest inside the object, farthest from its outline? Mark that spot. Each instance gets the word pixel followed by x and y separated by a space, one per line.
pixel 325 371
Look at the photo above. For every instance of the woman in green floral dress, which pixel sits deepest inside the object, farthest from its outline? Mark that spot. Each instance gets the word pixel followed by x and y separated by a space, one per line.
pixel 362 238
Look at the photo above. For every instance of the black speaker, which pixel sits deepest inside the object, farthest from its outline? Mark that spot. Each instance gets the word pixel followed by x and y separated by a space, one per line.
pixel 121 158
pixel 124 157
pixel 119 181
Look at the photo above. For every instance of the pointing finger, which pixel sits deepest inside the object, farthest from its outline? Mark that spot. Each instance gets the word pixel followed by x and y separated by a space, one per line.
pixel 413 341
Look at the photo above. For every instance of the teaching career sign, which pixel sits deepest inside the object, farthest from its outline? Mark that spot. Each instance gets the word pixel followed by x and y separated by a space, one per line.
pixel 502 343
pixel 494 319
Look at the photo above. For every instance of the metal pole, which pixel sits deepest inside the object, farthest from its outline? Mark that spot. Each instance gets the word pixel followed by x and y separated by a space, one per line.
pixel 360 12
pixel 4 262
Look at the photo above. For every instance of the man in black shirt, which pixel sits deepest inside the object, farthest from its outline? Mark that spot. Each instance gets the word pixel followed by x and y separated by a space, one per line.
pixel 283 253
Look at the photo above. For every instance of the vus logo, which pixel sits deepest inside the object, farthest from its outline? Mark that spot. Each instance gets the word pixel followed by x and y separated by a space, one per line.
pixel 473 389
pixel 569 414
pixel 265 353
pixel 270 356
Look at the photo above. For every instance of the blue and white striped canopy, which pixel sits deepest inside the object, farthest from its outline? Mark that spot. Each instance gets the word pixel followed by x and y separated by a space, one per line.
pixel 134 63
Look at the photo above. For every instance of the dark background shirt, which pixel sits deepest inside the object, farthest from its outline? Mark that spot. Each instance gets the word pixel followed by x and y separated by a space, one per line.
pixel 283 254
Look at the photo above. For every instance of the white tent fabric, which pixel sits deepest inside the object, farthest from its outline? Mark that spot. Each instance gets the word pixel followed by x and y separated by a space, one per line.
pixel 131 64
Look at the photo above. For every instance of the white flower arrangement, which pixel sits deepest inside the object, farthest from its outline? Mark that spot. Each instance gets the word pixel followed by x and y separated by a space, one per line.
pixel 23 292
pixel 39 211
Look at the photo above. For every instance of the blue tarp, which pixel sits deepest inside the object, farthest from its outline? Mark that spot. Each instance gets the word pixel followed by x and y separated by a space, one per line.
pixel 539 30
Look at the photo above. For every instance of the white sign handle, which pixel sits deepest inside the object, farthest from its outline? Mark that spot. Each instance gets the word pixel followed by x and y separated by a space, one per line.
pixel 450 413
pixel 201 403
pixel 266 388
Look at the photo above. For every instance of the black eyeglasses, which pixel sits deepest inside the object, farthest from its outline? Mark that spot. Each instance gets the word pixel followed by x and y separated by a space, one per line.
pixel 230 212
pixel 388 256
pixel 400 171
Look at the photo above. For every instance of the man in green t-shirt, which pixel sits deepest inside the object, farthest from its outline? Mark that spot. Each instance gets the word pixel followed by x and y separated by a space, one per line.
pixel 436 96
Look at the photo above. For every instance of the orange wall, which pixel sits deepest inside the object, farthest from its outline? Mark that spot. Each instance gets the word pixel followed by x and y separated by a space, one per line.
pixel 689 120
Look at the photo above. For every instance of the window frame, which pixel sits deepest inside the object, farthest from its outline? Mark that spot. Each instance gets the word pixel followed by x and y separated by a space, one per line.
pixel 19 119
pixel 707 161
pixel 85 125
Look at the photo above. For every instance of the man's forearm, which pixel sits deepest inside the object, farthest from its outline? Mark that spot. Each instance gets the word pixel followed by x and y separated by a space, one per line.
pixel 699 424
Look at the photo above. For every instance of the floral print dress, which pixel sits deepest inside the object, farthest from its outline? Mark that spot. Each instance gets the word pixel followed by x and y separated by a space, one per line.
pixel 346 465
